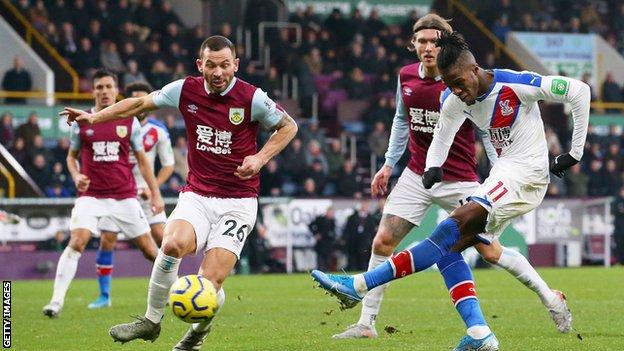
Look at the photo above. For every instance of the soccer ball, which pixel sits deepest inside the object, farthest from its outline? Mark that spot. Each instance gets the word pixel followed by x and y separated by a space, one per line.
pixel 193 299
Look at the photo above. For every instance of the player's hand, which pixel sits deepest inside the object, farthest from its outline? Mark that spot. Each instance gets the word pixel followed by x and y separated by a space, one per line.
pixel 561 163
pixel 431 176
pixel 158 205
pixel 379 185
pixel 77 115
pixel 250 167
pixel 82 183
pixel 144 193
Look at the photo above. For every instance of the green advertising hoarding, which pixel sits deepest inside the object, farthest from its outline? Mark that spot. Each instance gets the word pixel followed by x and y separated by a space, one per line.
pixel 51 125
pixel 572 54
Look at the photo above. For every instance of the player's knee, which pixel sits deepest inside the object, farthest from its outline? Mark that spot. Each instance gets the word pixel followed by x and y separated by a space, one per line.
pixel 384 243
pixel 171 247
pixel 470 218
pixel 107 243
pixel 77 243
pixel 490 256
pixel 490 253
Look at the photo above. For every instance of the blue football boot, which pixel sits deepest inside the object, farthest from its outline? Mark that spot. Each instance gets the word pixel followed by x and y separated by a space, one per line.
pixel 100 302
pixel 467 343
pixel 340 286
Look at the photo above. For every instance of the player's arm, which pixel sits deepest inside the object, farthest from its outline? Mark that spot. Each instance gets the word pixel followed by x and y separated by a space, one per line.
pixel 165 155
pixel 578 95
pixel 144 167
pixel 80 180
pixel 285 128
pixel 449 123
pixel 169 95
pixel 126 108
pixel 399 136
pixel 157 202
pixel 490 150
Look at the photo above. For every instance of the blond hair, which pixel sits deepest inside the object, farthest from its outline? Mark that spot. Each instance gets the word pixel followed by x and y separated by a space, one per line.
pixel 429 21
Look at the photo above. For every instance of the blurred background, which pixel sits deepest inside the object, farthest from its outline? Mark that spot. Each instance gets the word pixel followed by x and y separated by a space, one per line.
pixel 331 64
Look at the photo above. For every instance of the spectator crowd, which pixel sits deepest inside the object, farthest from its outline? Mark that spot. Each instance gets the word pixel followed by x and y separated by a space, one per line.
pixel 340 58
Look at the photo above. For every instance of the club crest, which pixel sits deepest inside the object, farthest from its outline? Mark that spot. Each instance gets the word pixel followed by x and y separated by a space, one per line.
pixel 237 115
pixel 122 131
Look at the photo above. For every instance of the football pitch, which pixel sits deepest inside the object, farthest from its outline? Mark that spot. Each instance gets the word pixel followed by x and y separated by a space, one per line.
pixel 280 312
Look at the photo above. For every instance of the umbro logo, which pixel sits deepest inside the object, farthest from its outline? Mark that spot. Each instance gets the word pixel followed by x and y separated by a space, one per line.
pixel 192 108
pixel 407 91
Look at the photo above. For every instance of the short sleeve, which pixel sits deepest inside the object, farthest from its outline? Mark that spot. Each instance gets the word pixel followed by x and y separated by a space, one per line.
pixel 74 137
pixel 169 95
pixel 135 138
pixel 265 110
pixel 165 151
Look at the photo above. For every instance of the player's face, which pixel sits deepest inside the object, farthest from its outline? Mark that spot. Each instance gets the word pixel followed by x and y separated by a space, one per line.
pixel 104 91
pixel 424 41
pixel 135 94
pixel 463 82
pixel 218 68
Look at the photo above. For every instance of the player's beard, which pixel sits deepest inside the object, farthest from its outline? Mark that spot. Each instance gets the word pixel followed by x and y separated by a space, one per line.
pixel 224 82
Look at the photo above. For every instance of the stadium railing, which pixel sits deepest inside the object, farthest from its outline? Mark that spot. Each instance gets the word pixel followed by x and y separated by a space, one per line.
pixel 32 36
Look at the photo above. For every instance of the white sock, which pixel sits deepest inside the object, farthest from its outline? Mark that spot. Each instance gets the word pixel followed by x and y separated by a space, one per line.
pixel 516 264
pixel 65 272
pixel 478 331
pixel 164 274
pixel 372 301
pixel 202 326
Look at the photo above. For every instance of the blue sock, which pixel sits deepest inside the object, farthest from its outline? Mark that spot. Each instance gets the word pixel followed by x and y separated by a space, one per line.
pixel 104 269
pixel 458 279
pixel 417 258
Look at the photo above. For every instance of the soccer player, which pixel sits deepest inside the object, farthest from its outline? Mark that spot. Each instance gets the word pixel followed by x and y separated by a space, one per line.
pixel 504 103
pixel 106 186
pixel 417 112
pixel 217 208
pixel 155 139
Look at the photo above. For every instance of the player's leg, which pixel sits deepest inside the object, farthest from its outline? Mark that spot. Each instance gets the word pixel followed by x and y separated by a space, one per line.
pixel 157 230
pixel 187 226
pixel 407 204
pixel 392 229
pixel 146 244
pixel 178 241
pixel 84 221
pixel 156 221
pixel 104 264
pixel 216 266
pixel 66 270
pixel 453 234
pixel 517 265
pixel 235 217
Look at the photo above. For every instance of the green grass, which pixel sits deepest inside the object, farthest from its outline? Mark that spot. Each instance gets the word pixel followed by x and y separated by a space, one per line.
pixel 279 312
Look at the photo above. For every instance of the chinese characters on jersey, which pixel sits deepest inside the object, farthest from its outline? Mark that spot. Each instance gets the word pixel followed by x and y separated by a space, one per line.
pixel 422 120
pixel 213 140
pixel 106 151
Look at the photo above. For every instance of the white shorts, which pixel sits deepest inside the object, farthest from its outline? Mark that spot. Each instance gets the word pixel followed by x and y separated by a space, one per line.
pixel 126 215
pixel 223 223
pixel 152 218
pixel 410 200
pixel 510 191
pixel 107 224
